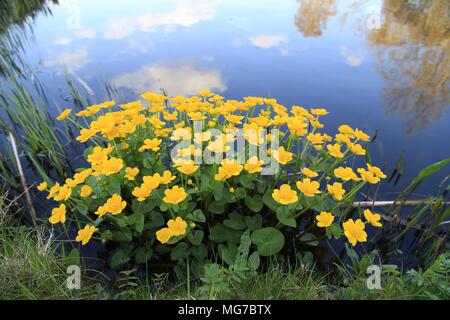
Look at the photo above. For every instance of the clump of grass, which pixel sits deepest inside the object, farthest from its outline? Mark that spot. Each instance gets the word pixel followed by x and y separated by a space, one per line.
pixel 29 265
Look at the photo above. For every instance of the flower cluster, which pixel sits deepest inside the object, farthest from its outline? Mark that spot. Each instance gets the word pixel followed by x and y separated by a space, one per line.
pixel 131 181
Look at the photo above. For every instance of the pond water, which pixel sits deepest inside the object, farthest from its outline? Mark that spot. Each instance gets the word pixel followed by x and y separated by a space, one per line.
pixel 378 65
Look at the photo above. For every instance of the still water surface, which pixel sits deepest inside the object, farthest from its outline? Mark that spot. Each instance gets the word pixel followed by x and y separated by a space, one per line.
pixel 380 65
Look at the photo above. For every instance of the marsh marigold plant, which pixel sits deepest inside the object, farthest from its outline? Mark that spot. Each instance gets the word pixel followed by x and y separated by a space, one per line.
pixel 153 203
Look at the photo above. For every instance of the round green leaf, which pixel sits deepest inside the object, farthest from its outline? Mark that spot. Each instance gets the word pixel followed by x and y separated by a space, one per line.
pixel 268 241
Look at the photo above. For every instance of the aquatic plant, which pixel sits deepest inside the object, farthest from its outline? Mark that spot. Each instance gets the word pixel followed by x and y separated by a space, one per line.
pixel 155 186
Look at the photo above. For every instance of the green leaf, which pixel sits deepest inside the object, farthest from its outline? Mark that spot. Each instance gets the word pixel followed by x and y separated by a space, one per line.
pixel 119 257
pixel 122 235
pixel 137 220
pixel 268 201
pixel 246 180
pixel 218 191
pixel 284 216
pixel 235 221
pixel 204 183
pixel 147 163
pixel 216 207
pixel 197 216
pixel 254 203
pixel 73 258
pixel 254 261
pixel 309 239
pixel 269 241
pixel 143 255
pixel 196 237
pixel 335 231
pixel 427 172
pixel 228 253
pixel 156 220
pixel 144 206
pixel 220 233
pixel 180 251
pixel 254 222
pixel 240 193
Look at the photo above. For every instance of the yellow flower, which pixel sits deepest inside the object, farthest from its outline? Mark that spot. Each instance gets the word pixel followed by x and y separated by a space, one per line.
pixel 85 234
pixel 112 166
pixel 43 186
pixel 202 137
pixel 58 215
pixel 99 155
pixel 205 93
pixel 53 190
pixel 228 169
pixel 324 219
pixel 360 135
pixel 85 135
pixel 167 177
pixel 368 176
pixel 345 174
pixel 85 191
pixel 101 211
pixel 163 235
pixel 376 171
pixel 342 138
pixel 234 118
pixel 178 226
pixel 115 205
pixel 152 182
pixel 282 156
pixel 372 218
pixel 336 190
pixel 81 176
pixel 354 231
pixel 254 165
pixel 150 144
pixel 335 150
pixel 285 195
pixel 318 147
pixel 187 167
pixel 156 122
pixel 196 116
pixel 170 116
pixel 71 183
pixel 142 192
pixel 308 188
pixel 131 173
pixel 64 114
pixel 317 124
pixel 315 138
pixel 347 130
pixel 357 149
pixel 174 195
pixel 309 173
pixel 64 193
pixel 124 146
pixel 319 112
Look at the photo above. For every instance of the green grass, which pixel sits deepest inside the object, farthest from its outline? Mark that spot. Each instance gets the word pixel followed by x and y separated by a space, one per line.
pixel 32 267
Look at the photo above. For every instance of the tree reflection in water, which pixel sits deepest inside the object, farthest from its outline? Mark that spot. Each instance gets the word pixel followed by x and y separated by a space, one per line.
pixel 411 48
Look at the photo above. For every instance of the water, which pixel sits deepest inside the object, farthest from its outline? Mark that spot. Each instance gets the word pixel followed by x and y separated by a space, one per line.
pixel 381 65
pixel 377 65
